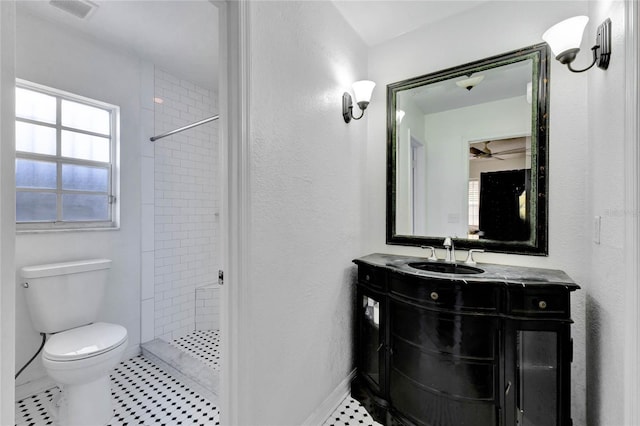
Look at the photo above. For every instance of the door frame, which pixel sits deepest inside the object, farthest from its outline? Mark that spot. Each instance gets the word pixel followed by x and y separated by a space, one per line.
pixel 235 213
pixel 631 394
pixel 7 212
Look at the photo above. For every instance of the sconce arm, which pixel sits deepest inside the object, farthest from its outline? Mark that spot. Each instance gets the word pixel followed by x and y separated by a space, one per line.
pixel 347 108
pixel 352 116
pixel 594 49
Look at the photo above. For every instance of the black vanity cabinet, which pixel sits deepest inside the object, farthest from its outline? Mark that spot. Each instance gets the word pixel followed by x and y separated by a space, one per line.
pixel 438 349
pixel 372 359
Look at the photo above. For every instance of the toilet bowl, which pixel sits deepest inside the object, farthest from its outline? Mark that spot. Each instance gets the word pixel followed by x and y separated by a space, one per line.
pixel 80 360
pixel 63 301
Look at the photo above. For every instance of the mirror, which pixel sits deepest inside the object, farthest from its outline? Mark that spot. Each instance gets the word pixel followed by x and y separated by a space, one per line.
pixel 467 155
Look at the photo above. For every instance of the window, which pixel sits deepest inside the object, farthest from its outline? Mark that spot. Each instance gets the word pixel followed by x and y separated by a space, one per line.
pixel 65 159
pixel 474 209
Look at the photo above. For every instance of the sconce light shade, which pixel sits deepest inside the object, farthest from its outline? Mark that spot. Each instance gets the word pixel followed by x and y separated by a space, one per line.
pixel 399 115
pixel 565 38
pixel 362 91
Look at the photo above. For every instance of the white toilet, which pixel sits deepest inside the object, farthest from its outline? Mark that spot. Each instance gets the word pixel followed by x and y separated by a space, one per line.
pixel 64 300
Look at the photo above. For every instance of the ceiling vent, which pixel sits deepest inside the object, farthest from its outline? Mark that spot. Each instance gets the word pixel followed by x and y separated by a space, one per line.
pixel 79 8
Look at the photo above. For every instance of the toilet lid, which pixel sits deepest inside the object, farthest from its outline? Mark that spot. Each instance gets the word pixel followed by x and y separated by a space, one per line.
pixel 84 342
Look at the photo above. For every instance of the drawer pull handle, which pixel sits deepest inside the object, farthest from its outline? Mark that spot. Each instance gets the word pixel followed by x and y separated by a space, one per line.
pixel 542 304
pixel 506 392
pixel 434 295
pixel 379 347
pixel 367 277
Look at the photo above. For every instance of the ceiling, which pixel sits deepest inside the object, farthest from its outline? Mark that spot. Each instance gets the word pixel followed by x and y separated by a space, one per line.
pixel 178 36
pixel 181 36
pixel 506 81
pixel 377 21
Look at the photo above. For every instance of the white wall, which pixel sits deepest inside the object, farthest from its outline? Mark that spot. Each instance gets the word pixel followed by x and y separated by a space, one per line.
pixel 605 292
pixel 306 210
pixel 67 61
pixel 186 188
pixel 489 29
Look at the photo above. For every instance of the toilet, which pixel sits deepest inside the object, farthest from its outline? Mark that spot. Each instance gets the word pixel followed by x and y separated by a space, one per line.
pixel 63 300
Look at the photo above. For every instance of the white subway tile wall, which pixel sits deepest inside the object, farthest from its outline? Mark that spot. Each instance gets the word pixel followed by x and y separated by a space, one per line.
pixel 186 203
pixel 208 307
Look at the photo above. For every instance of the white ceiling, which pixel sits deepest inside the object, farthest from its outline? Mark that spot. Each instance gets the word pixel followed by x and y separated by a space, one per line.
pixel 504 82
pixel 179 36
pixel 377 21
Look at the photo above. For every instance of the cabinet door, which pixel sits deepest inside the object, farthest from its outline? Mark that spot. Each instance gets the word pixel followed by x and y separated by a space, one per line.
pixel 371 349
pixel 537 378
pixel 444 366
pixel 541 377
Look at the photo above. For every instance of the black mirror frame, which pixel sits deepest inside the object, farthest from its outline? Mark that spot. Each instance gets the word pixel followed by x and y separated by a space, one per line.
pixel 538 244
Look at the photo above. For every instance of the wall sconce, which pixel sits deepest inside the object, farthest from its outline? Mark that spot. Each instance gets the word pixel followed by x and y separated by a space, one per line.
pixel 362 91
pixel 564 39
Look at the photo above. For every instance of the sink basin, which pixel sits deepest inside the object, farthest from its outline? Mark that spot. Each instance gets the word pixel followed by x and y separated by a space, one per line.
pixel 446 268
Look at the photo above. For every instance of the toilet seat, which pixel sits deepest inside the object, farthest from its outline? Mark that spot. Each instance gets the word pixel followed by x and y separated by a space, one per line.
pixel 84 342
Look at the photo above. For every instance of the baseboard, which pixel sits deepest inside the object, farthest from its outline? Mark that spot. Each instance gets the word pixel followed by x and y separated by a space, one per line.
pixel 37 386
pixel 183 367
pixel 331 402
pixel 33 387
pixel 131 352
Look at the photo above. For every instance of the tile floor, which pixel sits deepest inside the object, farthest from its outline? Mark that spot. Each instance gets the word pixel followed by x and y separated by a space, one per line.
pixel 143 395
pixel 146 395
pixel 350 413
pixel 203 345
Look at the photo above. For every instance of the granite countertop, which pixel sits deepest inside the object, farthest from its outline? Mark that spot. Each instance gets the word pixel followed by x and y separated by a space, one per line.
pixel 507 274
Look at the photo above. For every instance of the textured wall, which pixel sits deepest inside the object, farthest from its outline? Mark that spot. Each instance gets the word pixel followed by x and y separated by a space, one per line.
pixel 186 188
pixel 490 29
pixel 307 205
pixel 605 301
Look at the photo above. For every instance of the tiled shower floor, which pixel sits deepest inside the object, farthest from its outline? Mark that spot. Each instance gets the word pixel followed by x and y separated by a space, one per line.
pixel 143 395
pixel 203 345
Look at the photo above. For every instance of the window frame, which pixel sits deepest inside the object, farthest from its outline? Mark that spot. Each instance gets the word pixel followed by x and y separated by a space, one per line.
pixel 112 166
pixel 475 215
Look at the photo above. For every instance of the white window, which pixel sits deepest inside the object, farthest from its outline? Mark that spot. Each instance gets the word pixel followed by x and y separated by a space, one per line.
pixel 66 157
pixel 474 209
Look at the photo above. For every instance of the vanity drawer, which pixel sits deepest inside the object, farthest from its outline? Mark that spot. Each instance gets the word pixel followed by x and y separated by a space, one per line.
pixel 371 276
pixel 543 302
pixel 463 335
pixel 462 378
pixel 443 294
pixel 422 406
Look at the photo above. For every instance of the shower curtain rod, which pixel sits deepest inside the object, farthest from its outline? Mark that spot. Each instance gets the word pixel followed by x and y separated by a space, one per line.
pixel 182 129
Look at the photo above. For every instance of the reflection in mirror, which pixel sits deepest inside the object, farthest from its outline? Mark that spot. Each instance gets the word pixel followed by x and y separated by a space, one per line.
pixel 499 186
pixel 467 149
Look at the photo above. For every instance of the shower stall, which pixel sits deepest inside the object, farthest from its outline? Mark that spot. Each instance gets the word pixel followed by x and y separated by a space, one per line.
pixel 181 315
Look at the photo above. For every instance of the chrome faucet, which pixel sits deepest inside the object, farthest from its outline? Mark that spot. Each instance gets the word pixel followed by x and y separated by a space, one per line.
pixel 433 252
pixel 451 251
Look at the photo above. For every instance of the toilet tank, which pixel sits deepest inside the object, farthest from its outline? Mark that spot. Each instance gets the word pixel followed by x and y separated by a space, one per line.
pixel 65 295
